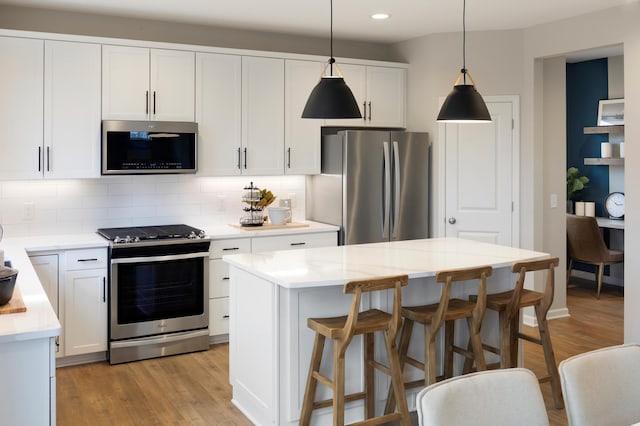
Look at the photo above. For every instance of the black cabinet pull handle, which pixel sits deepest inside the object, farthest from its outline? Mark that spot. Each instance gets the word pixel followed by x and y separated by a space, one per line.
pixel 369 110
pixel 289 158
pixel 154 103
pixel 225 316
pixel 95 259
pixel 245 158
pixel 364 116
pixel 146 102
pixel 230 248
pixel 104 290
pixel 239 159
pixel 298 244
pixel 39 158
pixel 225 278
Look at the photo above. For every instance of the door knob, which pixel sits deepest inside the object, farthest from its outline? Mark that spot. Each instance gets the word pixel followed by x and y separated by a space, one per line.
pixel 452 220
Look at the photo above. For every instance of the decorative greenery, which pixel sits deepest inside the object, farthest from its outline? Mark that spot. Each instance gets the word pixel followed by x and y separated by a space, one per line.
pixel 575 182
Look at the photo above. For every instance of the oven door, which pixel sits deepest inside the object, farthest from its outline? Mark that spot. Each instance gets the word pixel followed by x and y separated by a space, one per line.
pixel 159 294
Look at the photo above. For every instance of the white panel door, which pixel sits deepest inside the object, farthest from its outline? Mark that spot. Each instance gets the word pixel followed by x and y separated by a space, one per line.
pixel 172 90
pixel 125 83
pixel 479 177
pixel 72 85
pixel 21 102
pixel 85 311
pixel 302 135
pixel 219 113
pixel 262 116
pixel 386 88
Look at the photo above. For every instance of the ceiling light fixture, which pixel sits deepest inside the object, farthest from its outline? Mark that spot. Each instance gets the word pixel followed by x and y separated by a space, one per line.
pixel 464 104
pixel 331 98
pixel 380 16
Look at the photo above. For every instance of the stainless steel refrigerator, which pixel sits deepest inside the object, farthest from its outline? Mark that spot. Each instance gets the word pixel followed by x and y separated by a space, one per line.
pixel 374 184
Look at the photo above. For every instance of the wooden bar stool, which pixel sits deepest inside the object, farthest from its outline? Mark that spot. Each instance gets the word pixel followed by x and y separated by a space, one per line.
pixel 508 304
pixel 446 312
pixel 341 330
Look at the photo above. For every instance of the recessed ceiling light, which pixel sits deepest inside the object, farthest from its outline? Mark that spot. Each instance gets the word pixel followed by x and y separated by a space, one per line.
pixel 380 16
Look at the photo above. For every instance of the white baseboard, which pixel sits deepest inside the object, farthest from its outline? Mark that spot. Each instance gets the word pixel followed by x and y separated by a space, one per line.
pixel 607 279
pixel 529 317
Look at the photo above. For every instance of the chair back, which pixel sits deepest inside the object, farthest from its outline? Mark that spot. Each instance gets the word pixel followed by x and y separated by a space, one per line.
pixel 585 239
pixel 521 268
pixel 601 387
pixel 448 277
pixel 504 397
pixel 377 284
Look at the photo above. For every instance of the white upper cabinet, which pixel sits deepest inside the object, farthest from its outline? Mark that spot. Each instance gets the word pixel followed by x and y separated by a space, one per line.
pixel 72 81
pixel 380 93
pixel 302 135
pixel 219 114
pixel 50 106
pixel 21 105
pixel 262 116
pixel 147 84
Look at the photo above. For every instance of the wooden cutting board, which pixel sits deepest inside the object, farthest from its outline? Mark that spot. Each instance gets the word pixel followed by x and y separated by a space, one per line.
pixel 15 305
pixel 267 226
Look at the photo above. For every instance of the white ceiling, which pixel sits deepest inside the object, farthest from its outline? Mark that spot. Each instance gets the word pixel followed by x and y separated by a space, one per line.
pixel 409 18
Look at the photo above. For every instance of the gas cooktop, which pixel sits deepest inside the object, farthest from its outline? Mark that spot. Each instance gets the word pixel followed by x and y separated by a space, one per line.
pixel 150 233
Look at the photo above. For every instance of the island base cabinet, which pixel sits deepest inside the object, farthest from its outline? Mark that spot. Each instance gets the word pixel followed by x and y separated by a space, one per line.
pixel 271 345
pixel 27 394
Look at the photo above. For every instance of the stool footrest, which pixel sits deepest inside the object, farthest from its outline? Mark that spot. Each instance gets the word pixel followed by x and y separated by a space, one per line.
pixel 530 338
pixel 378 366
pixel 491 349
pixel 414 363
pixel 347 398
pixel 323 379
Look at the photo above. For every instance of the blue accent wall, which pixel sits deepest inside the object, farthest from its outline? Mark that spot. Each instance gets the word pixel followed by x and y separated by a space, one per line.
pixel 587 83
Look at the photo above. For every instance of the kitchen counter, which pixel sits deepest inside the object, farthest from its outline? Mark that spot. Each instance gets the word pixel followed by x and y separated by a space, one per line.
pixel 228 231
pixel 273 294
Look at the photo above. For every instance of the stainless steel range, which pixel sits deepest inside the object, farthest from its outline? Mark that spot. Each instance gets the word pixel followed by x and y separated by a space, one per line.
pixel 159 291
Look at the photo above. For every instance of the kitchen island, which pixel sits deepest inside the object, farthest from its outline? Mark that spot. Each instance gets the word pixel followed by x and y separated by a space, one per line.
pixel 273 294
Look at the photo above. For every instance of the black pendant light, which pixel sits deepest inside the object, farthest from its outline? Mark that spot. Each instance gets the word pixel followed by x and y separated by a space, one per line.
pixel 464 104
pixel 331 98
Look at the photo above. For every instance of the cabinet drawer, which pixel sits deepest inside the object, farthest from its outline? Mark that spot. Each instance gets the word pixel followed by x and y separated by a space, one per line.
pixel 219 316
pixel 232 246
pixel 86 259
pixel 218 278
pixel 290 242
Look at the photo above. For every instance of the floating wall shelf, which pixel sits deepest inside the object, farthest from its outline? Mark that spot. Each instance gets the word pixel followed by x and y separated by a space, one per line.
pixel 604 129
pixel 604 161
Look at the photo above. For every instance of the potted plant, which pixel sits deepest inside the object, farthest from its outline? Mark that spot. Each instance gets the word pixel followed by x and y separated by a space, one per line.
pixel 575 182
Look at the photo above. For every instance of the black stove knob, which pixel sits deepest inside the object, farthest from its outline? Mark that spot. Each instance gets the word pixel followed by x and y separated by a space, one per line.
pixel 201 234
pixel 192 235
pixel 117 240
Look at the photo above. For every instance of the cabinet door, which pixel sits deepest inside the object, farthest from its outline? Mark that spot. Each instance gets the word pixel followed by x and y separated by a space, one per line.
pixel 302 135
pixel 218 316
pixel 46 267
pixel 85 311
pixel 72 85
pixel 218 113
pixel 262 116
pixel 386 88
pixel 172 92
pixel 356 78
pixel 21 101
pixel 125 83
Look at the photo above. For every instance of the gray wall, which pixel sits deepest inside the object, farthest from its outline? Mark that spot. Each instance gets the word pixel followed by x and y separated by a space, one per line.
pixel 30 19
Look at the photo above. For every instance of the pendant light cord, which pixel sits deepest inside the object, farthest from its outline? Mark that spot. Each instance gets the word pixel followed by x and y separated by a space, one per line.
pixel 331 59
pixel 464 42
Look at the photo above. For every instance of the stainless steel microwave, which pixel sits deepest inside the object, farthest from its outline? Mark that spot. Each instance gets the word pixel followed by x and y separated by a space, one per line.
pixel 148 147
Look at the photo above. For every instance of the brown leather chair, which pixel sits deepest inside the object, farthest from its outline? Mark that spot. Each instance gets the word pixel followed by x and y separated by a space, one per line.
pixel 586 245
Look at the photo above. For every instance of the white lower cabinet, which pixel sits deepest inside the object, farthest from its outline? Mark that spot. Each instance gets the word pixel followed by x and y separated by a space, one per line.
pixel 76 283
pixel 219 270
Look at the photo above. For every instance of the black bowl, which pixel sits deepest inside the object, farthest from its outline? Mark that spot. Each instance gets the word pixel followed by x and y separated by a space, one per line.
pixel 7 283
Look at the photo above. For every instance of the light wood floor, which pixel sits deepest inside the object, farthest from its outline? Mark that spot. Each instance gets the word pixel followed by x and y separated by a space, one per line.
pixel 193 389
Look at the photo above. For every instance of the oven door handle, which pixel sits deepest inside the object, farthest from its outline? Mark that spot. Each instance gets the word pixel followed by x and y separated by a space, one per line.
pixel 159 258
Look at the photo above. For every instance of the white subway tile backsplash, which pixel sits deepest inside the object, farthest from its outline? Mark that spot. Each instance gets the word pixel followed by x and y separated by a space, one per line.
pixel 83 205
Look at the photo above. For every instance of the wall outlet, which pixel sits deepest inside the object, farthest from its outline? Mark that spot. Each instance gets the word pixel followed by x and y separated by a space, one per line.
pixel 28 212
pixel 221 202
pixel 554 201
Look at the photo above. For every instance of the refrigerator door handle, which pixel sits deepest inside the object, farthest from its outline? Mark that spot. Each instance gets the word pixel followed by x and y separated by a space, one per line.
pixel 396 189
pixel 387 190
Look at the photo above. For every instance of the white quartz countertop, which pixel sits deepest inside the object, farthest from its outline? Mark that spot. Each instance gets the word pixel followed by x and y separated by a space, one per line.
pixel 40 320
pixel 329 266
